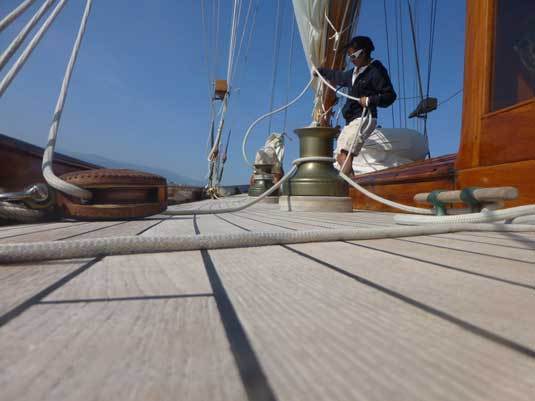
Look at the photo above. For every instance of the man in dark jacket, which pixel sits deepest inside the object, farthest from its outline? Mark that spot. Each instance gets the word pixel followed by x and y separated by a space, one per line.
pixel 369 82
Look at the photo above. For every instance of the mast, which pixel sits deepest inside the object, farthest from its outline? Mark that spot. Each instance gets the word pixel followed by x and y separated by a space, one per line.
pixel 342 15
pixel 325 26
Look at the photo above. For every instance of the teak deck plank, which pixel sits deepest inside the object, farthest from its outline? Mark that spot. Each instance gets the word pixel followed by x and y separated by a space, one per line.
pixel 443 317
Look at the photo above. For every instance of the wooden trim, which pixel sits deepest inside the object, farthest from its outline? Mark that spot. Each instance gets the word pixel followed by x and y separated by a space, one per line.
pixel 516 174
pixel 510 108
pixel 477 77
pixel 19 146
pixel 509 136
pixel 426 170
pixel 20 164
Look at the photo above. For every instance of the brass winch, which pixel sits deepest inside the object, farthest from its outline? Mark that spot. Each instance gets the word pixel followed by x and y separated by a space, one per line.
pixel 316 186
pixel 262 180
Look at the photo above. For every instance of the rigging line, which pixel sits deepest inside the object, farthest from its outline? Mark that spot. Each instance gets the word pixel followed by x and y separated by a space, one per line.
pixel 451 97
pixel 403 81
pixel 415 51
pixel 224 157
pixel 276 50
pixel 216 16
pixel 337 36
pixel 250 38
pixel 232 44
pixel 13 15
pixel 235 36
pixel 247 18
pixel 206 51
pixel 290 57
pixel 388 53
pixel 17 66
pixel 19 39
pixel 396 18
pixel 213 156
pixel 433 18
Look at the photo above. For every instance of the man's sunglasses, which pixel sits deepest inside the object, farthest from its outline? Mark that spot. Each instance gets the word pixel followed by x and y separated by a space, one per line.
pixel 354 56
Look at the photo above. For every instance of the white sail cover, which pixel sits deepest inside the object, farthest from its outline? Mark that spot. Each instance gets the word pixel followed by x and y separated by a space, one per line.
pixel 390 147
pixel 310 17
pixel 272 152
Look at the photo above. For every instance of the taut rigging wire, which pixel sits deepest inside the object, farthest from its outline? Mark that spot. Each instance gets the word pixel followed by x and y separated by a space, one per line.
pixel 290 58
pixel 276 51
pixel 388 53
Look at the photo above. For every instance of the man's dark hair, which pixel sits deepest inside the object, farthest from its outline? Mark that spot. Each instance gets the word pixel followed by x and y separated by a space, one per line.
pixel 361 42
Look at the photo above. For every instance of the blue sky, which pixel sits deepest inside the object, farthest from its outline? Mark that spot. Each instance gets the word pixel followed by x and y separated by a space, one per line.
pixel 139 91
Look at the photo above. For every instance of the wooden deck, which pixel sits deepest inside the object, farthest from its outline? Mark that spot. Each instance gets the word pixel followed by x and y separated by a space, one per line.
pixel 444 317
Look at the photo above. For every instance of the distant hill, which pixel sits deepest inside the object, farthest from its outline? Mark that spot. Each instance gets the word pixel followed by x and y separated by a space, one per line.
pixel 108 163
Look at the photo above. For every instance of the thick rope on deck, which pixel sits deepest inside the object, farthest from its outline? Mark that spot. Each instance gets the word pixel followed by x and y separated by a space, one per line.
pixel 85 248
pixel 486 216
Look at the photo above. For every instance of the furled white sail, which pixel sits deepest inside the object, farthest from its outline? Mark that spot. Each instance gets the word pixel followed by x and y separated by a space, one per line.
pixel 390 147
pixel 310 17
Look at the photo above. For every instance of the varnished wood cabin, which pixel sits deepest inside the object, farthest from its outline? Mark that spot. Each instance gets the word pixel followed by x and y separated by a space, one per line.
pixel 497 146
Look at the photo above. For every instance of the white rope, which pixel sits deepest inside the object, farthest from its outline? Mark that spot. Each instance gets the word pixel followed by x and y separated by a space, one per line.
pixel 338 34
pixel 214 152
pixel 14 70
pixel 12 16
pixel 328 84
pixel 20 213
pixel 15 44
pixel 365 125
pixel 247 18
pixel 255 122
pixel 87 248
pixel 48 156
pixel 215 147
pixel 486 216
pixel 377 198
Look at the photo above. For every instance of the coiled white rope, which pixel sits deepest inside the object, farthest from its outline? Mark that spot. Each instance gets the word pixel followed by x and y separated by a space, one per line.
pixel 15 44
pixel 87 248
pixel 48 156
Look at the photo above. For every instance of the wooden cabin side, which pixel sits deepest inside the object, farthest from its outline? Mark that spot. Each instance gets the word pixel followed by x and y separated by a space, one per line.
pixel 497 146
pixel 498 132
pixel 20 164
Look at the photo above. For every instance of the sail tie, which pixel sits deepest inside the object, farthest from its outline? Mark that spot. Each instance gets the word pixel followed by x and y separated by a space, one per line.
pixel 337 34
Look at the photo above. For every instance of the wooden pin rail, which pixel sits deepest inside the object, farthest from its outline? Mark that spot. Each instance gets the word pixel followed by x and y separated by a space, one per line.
pixel 483 195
